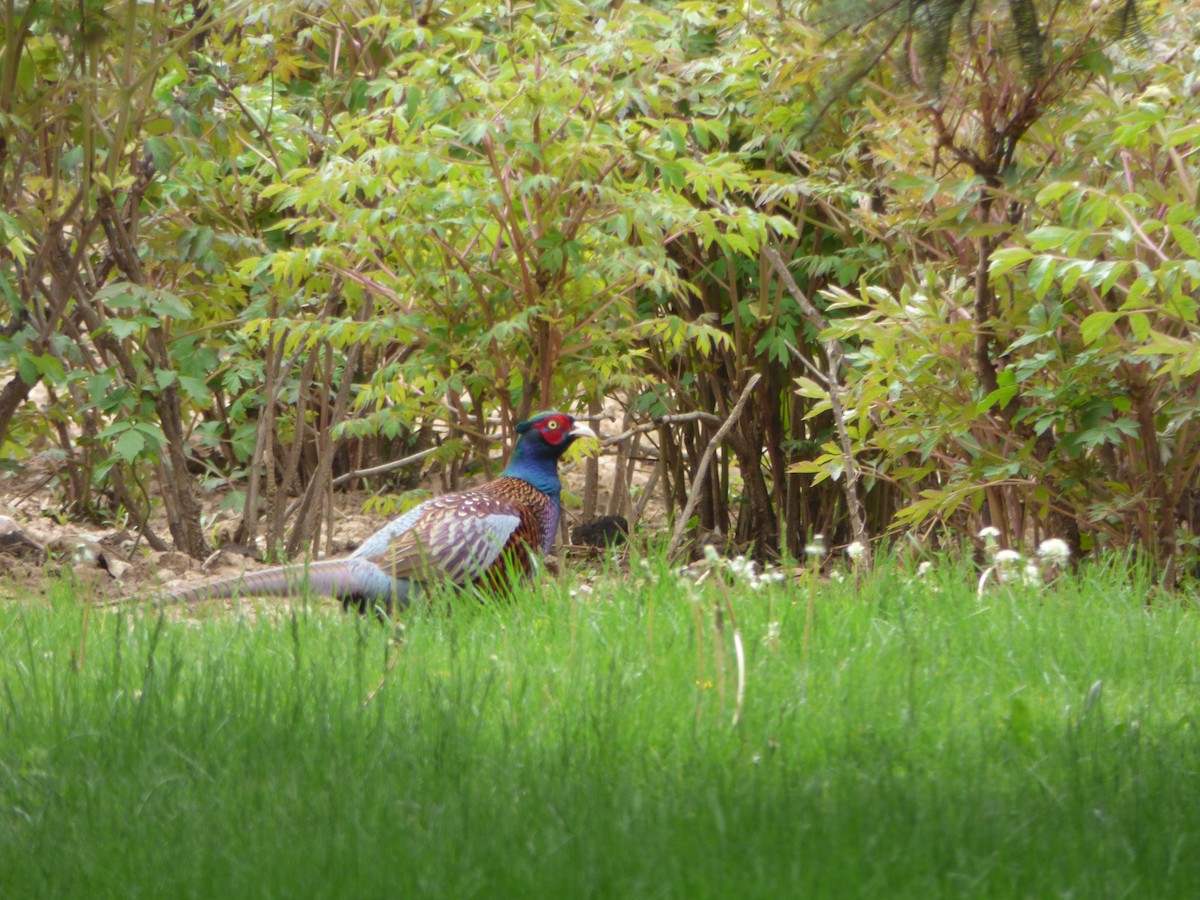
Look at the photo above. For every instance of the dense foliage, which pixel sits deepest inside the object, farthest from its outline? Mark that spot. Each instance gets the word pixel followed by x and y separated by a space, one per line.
pixel 266 244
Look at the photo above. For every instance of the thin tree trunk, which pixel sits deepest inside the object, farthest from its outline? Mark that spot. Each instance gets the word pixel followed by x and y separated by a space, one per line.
pixel 834 360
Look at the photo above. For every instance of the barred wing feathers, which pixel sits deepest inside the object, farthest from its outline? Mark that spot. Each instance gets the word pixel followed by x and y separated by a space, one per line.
pixel 471 536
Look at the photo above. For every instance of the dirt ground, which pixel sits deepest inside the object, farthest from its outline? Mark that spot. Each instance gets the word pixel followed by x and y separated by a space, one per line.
pixel 38 546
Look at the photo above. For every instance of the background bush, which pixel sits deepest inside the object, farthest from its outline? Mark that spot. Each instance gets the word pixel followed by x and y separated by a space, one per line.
pixel 255 246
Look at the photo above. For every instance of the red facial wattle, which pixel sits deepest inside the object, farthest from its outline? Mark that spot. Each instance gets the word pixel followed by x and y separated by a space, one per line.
pixel 554 429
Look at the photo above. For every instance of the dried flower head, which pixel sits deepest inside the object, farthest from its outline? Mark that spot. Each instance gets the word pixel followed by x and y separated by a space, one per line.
pixel 1054 550
pixel 1007 558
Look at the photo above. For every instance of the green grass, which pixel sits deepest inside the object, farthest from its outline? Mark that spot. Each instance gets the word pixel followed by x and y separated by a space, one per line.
pixel 923 744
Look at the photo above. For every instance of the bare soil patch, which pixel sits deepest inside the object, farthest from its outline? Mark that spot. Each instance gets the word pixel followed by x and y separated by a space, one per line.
pixel 38 545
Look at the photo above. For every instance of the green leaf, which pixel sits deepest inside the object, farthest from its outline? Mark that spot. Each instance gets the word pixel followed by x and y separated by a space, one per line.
pixel 163 303
pixel 1051 237
pixel 197 242
pixel 123 328
pixel 473 133
pixel 153 435
pixel 905 181
pixel 1097 324
pixel 999 397
pixel 196 389
pixel 1041 275
pixel 70 161
pixel 673 175
pixel 28 369
pixel 122 295
pixel 1007 259
pixel 1139 324
pixel 1186 239
pixel 157 125
pixel 160 151
pixel 1054 191
pixel 806 387
pixel 129 445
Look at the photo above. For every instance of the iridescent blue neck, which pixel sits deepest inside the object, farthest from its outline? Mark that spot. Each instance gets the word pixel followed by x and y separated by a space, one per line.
pixel 535 462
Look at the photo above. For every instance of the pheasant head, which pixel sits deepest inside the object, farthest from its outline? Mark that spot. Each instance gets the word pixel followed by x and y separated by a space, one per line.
pixel 541 441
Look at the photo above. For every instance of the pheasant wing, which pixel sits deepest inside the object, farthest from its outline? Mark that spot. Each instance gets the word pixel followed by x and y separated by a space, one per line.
pixel 455 538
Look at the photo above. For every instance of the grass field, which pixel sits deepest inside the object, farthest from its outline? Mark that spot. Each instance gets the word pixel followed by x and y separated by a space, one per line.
pixel 917 743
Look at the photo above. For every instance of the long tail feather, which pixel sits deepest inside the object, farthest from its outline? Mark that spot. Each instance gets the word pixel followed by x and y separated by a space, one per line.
pixel 345 579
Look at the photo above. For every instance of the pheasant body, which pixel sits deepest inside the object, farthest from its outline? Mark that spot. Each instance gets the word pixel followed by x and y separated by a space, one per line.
pixel 478 537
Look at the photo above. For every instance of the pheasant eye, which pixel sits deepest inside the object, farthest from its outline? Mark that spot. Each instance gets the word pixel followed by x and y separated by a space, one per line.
pixel 552 425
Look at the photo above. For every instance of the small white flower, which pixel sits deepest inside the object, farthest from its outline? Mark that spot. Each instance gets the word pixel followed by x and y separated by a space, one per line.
pixel 924 568
pixel 1054 550
pixel 989 533
pixel 837 576
pixel 1007 558
pixel 711 556
pixel 855 550
pixel 1033 575
pixel 816 547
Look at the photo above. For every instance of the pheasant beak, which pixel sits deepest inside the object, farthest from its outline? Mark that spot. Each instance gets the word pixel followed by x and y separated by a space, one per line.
pixel 580 448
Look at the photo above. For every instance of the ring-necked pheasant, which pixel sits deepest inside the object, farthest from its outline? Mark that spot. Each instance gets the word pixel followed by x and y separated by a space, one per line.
pixel 481 536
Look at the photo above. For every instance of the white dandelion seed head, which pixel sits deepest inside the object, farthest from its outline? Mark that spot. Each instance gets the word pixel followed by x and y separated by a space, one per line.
pixel 855 550
pixel 1032 575
pixel 989 533
pixel 1054 550
pixel 740 566
pixel 1007 558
